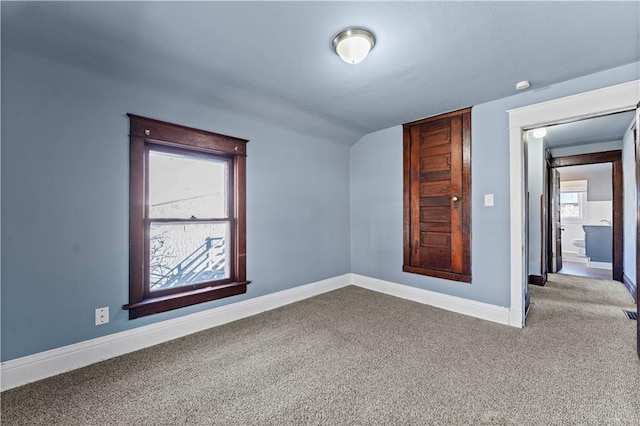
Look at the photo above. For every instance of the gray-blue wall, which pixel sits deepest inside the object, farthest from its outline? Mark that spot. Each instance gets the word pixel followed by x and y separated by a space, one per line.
pixel 630 205
pixel 535 186
pixel 315 209
pixel 65 194
pixel 376 195
pixel 600 180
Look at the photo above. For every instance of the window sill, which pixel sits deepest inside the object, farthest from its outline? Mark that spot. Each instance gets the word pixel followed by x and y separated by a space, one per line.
pixel 156 305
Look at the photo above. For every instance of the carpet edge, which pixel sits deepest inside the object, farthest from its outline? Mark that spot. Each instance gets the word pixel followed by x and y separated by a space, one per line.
pixel 20 371
pixel 485 311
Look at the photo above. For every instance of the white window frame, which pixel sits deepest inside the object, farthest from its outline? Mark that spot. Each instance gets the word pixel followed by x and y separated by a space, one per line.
pixel 579 187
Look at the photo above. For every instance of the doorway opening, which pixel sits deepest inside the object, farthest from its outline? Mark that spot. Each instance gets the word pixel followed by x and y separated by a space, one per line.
pixel 575 176
pixel 575 198
pixel 595 103
pixel 582 205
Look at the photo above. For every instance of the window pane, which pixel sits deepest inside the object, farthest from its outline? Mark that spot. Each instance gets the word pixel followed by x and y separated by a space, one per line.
pixel 571 205
pixel 569 198
pixel 186 254
pixel 186 186
pixel 570 211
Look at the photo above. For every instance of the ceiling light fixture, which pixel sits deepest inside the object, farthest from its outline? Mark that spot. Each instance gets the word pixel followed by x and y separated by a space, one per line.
pixel 353 44
pixel 522 85
pixel 540 133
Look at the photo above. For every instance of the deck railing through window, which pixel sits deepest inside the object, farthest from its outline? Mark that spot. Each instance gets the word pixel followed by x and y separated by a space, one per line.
pixel 206 263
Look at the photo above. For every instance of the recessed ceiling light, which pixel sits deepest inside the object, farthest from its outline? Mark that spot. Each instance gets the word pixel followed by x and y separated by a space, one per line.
pixel 522 85
pixel 540 133
pixel 353 44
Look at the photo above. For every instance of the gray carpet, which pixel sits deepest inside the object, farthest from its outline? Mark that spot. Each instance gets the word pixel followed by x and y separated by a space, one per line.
pixel 353 356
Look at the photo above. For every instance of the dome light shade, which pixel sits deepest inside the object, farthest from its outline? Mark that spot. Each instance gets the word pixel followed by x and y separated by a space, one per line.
pixel 540 133
pixel 353 45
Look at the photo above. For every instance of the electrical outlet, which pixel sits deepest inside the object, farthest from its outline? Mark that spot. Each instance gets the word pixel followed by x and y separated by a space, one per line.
pixel 102 315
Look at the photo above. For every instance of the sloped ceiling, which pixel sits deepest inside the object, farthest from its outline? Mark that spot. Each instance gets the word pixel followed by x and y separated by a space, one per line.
pixel 273 59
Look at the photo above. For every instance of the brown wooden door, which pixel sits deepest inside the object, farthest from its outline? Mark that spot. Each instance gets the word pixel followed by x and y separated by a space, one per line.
pixel 546 213
pixel 437 203
pixel 557 220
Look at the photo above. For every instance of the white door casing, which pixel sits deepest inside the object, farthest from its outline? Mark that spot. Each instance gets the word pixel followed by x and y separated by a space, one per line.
pixel 608 100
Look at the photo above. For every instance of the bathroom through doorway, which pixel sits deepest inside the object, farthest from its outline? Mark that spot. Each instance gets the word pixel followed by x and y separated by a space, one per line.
pixel 586 209
pixel 575 200
pixel 586 220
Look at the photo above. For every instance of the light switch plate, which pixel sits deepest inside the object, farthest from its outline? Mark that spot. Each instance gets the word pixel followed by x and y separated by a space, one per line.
pixel 488 200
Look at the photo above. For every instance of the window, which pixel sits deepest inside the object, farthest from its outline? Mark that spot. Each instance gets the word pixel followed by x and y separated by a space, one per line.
pixel 572 198
pixel 187 217
pixel 571 205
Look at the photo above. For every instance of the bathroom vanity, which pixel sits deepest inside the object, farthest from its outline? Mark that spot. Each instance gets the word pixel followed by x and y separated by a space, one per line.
pixel 598 242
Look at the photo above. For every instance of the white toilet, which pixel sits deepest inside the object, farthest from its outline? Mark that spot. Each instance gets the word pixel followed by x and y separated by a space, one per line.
pixel 579 243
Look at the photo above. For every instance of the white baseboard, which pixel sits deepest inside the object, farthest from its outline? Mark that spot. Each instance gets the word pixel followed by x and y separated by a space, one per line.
pixel 460 305
pixel 27 369
pixel 600 265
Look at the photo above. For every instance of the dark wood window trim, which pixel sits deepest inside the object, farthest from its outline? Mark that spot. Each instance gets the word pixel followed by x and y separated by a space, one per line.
pixel 146 134
pixel 460 190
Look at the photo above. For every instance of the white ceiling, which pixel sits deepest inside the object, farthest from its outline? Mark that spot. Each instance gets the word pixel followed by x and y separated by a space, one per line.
pixel 273 60
pixel 606 128
pixel 585 171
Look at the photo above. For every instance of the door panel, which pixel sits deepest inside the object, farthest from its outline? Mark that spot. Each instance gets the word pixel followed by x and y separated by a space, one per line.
pixel 437 201
pixel 544 226
pixel 557 225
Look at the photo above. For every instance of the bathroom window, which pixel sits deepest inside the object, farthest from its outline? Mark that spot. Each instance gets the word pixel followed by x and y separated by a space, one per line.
pixel 571 205
pixel 573 195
